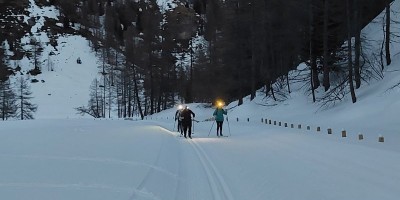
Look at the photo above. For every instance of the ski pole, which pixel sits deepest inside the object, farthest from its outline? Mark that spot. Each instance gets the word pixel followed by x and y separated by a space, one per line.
pixel 211 128
pixel 228 126
pixel 193 126
pixel 174 126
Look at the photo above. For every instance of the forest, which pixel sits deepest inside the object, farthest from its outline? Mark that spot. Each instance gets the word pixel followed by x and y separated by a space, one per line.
pixel 154 56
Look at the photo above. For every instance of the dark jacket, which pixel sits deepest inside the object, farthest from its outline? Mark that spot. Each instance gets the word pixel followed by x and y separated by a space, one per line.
pixel 186 115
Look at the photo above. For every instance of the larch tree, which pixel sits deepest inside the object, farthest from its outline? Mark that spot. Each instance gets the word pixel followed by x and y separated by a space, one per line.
pixel 8 106
pixel 387 32
pixel 23 96
pixel 349 52
pixel 35 53
pixel 357 43
pixel 326 81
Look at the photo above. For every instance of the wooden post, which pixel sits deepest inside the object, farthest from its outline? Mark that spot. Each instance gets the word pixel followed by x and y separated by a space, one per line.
pixel 308 127
pixel 381 139
pixel 274 122
pixel 318 128
pixel 237 119
pixel 270 121
pixel 299 126
pixel 266 121
pixel 262 120
pixel 285 124
pixel 344 134
pixel 329 131
pixel 360 136
pixel 280 123
pixel 291 125
pixel 248 119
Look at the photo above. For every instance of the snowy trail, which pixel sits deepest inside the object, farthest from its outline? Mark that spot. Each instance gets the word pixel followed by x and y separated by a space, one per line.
pixel 218 185
pixel 199 178
pixel 124 160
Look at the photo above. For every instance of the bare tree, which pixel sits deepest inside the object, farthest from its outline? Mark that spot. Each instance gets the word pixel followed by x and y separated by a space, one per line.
pixel 95 107
pixel 25 108
pixel 349 53
pixel 313 64
pixel 387 37
pixel 35 53
pixel 326 81
pixel 8 105
pixel 357 43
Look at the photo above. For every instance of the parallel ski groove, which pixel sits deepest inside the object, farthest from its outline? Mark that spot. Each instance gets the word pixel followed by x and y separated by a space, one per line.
pixel 148 174
pixel 210 178
pixel 217 180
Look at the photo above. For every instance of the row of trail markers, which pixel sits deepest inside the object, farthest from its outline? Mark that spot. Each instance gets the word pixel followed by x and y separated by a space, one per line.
pixel 299 126
pixel 318 129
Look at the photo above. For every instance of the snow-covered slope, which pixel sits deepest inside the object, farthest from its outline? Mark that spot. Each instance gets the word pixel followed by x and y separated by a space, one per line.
pixel 63 84
pixel 67 87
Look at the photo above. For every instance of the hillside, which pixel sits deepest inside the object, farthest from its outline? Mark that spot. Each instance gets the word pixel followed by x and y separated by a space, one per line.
pixel 373 115
pixel 60 91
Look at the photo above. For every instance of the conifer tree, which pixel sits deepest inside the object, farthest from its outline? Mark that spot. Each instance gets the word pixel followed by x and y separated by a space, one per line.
pixel 23 96
pixel 8 105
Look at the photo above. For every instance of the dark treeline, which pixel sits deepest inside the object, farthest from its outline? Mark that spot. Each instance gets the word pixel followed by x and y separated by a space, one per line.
pixel 200 50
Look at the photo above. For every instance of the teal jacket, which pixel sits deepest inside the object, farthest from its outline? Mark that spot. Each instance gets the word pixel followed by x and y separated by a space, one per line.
pixel 219 114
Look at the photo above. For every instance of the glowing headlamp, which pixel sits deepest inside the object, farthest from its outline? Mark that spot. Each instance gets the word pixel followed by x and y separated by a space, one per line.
pixel 180 107
pixel 220 103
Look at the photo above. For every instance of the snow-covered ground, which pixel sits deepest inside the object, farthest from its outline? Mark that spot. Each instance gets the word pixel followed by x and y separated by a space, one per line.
pixel 53 157
pixel 146 160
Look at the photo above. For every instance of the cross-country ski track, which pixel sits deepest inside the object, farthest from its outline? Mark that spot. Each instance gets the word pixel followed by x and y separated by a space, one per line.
pixel 147 160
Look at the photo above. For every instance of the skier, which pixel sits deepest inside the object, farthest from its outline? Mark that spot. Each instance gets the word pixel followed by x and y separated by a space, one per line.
pixel 219 117
pixel 186 115
pixel 178 118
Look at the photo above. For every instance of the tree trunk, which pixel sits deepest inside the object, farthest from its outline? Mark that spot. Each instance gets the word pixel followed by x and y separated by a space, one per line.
pixel 272 90
pixel 4 104
pixel 312 56
pixel 313 76
pixel 130 113
pixel 288 83
pixel 267 87
pixel 118 101
pixel 314 70
pixel 152 86
pixel 357 45
pixel 349 53
pixel 326 81
pixel 189 91
pixel 239 82
pixel 159 103
pixel 387 43
pixel 22 99
pixel 109 99
pixel 136 90
pixel 253 56
pixel 124 94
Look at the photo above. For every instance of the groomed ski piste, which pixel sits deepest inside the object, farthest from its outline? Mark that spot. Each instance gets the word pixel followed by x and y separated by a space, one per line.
pixel 123 159
pixel 62 156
